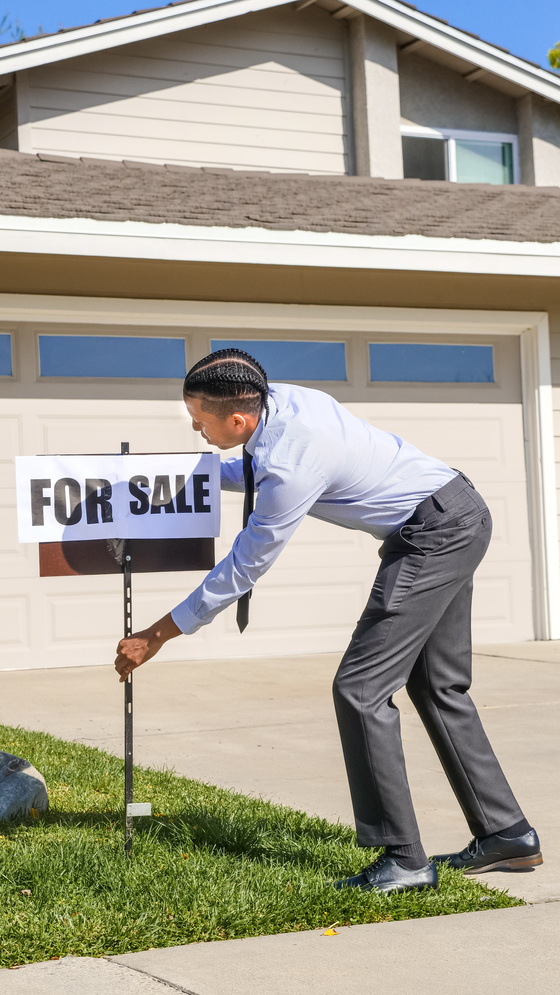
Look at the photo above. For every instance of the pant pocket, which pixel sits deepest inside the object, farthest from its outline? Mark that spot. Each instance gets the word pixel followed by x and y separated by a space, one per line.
pixel 398 571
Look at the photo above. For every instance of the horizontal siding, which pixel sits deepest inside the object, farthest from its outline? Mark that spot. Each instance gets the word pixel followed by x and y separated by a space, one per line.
pixel 264 91
pixel 81 91
pixel 166 133
pixel 8 120
pixel 209 112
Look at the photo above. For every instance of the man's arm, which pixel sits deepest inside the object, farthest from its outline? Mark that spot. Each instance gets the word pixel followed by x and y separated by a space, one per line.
pixel 284 496
pixel 231 474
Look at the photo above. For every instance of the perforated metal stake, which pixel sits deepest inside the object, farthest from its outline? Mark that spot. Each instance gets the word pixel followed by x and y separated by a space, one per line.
pixel 128 715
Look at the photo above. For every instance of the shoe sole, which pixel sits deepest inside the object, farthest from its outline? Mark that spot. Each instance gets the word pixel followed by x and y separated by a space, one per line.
pixel 402 890
pixel 513 864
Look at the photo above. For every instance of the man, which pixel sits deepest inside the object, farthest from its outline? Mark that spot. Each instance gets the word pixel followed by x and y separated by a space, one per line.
pixel 306 454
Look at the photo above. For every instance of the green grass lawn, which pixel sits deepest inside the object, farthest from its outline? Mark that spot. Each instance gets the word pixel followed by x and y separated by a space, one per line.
pixel 209 865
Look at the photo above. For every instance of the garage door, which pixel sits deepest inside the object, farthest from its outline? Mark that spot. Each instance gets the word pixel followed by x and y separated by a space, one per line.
pixel 311 598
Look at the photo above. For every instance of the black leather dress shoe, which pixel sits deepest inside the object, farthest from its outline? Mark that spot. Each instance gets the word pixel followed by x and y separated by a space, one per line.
pixel 496 854
pixel 386 875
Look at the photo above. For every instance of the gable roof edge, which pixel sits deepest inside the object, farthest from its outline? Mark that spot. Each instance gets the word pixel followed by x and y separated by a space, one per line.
pixel 114 32
pixel 130 28
pixel 466 47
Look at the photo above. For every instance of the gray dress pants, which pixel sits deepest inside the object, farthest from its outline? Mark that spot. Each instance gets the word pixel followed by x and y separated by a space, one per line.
pixel 416 632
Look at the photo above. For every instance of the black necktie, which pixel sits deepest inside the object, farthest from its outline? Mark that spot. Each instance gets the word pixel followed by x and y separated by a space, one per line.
pixel 248 505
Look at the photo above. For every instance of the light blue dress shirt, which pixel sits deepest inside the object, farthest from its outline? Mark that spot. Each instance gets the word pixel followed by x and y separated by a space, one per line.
pixel 312 457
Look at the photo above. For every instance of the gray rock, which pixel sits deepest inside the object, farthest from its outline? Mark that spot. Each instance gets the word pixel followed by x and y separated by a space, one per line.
pixel 22 788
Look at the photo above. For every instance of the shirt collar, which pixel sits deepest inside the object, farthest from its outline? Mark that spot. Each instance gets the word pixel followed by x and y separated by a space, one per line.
pixel 251 444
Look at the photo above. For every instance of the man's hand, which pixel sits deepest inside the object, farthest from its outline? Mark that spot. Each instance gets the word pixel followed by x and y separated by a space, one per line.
pixel 141 646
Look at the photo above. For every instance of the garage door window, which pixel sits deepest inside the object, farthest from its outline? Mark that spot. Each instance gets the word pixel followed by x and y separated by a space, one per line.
pixel 108 356
pixel 5 355
pixel 293 360
pixel 407 362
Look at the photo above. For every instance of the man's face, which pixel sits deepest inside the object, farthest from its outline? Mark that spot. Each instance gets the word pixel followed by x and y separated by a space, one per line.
pixel 225 433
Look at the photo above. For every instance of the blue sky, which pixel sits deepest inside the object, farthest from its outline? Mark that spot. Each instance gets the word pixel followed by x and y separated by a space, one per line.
pixel 528 29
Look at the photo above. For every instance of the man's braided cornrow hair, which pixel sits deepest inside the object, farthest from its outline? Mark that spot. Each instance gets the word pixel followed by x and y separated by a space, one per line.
pixel 227 380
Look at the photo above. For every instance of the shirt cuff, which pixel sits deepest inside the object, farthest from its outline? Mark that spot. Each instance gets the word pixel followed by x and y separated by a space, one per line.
pixel 185 619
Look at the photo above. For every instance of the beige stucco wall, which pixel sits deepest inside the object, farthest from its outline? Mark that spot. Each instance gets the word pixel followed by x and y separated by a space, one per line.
pixel 539 141
pixel 434 96
pixel 546 142
pixel 376 102
pixel 262 91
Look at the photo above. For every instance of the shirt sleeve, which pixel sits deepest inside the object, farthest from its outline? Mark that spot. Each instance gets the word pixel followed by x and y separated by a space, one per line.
pixel 231 474
pixel 285 495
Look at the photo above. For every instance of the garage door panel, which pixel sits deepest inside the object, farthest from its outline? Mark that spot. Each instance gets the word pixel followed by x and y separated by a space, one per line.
pixel 141 433
pixel 299 606
pixel 16 559
pixel 14 623
pixel 510 535
pixel 82 617
pixel 11 445
pixel 73 615
pixel 498 600
pixel 481 440
pixel 98 427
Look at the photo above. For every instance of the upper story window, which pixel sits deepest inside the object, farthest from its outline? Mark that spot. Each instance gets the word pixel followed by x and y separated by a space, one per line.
pixel 459 156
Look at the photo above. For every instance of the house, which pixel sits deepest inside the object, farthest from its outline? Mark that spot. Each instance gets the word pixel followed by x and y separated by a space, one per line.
pixel 365 197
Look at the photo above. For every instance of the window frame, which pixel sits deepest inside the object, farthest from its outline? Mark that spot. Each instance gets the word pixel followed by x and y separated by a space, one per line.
pixel 452 135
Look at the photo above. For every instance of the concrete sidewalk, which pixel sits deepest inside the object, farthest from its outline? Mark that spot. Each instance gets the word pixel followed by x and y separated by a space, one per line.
pixel 268 728
pixel 478 953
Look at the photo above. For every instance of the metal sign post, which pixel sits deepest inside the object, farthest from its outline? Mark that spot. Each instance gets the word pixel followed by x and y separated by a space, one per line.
pixel 130 808
pixel 128 715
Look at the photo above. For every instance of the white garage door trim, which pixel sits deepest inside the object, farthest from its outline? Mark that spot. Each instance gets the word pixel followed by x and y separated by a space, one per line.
pixel 531 327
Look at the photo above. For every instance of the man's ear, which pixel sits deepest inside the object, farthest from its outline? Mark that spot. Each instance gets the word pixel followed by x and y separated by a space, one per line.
pixel 239 421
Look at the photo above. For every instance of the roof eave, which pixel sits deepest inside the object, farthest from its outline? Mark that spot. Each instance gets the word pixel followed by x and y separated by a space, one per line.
pixel 264 246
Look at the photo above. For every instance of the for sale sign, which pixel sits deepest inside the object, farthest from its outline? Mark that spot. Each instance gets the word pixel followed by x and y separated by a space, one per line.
pixel 159 496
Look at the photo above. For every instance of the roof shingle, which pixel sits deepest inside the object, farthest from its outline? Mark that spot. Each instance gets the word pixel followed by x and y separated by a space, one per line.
pixel 60 187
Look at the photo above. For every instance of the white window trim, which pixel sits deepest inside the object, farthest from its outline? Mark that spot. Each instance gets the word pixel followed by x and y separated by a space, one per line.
pixel 207 318
pixel 451 135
